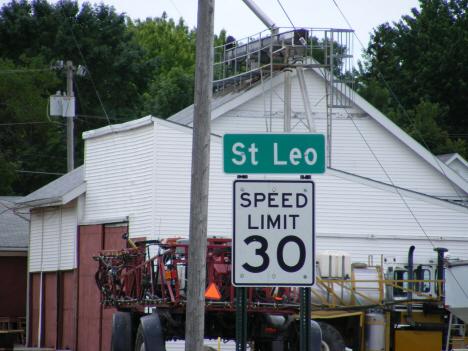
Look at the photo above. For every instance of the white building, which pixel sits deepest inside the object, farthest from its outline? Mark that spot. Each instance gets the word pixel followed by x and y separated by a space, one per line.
pixel 382 193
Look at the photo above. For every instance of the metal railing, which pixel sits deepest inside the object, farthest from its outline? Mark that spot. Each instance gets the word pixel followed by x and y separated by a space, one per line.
pixel 337 301
pixel 243 62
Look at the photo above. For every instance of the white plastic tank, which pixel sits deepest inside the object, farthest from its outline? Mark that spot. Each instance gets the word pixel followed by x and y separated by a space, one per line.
pixel 368 289
pixel 374 332
pixel 334 264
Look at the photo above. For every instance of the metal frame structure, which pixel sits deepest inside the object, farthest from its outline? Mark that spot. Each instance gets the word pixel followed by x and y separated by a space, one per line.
pixel 130 278
pixel 138 283
pixel 240 63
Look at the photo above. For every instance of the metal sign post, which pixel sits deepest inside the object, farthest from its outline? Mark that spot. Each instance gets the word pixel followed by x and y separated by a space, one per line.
pixel 305 326
pixel 241 318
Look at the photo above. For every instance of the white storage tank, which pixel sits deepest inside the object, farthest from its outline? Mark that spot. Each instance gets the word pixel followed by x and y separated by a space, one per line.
pixel 334 264
pixel 374 332
pixel 369 288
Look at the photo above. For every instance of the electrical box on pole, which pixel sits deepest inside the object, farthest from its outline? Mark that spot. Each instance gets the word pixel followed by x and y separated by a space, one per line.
pixel 62 106
pixel 65 106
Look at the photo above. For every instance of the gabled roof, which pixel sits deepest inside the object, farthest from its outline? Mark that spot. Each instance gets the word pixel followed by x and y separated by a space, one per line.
pixel 117 128
pixel 449 158
pixel 14 225
pixel 223 104
pixel 59 192
pixel 137 123
pixel 186 115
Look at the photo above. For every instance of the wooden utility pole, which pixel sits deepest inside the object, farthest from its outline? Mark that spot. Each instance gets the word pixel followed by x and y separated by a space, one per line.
pixel 195 322
pixel 70 122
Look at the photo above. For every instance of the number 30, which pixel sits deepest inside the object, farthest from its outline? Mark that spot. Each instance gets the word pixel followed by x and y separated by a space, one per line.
pixel 279 254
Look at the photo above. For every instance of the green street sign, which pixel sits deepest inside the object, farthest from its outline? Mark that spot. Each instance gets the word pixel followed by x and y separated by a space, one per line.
pixel 286 153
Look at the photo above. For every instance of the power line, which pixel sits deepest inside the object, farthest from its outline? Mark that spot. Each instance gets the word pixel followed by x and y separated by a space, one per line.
pixel 46 156
pixel 27 123
pixel 84 61
pixel 381 166
pixel 286 14
pixel 104 117
pixel 81 102
pixel 177 9
pixel 25 70
pixel 40 172
pixel 404 111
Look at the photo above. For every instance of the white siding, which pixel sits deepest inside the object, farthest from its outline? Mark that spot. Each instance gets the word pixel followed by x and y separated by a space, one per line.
pixel 460 168
pixel 361 147
pixel 173 179
pixel 69 236
pixel 51 244
pixel 53 239
pixel 220 197
pixel 344 208
pixel 35 242
pixel 119 176
pixel 367 149
pixel 172 182
pixel 349 208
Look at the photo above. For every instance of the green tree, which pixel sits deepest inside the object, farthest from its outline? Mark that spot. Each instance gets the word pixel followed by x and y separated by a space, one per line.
pixel 9 175
pixel 133 69
pixel 26 133
pixel 170 93
pixel 173 44
pixel 420 123
pixel 422 59
pixel 95 36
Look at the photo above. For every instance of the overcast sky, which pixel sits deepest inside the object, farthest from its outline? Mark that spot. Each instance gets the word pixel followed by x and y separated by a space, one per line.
pixel 237 19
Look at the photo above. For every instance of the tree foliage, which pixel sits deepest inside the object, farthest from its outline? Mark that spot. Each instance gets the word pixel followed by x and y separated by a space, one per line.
pixel 170 93
pixel 134 69
pixel 26 133
pixel 174 45
pixel 37 34
pixel 422 59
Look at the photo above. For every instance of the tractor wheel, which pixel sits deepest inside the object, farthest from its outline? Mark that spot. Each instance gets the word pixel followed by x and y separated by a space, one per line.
pixel 263 346
pixel 150 336
pixel 140 344
pixel 331 338
pixel 121 339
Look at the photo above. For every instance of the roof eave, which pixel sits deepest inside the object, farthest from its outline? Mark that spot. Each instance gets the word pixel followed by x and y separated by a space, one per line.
pixel 74 193
pixel 56 201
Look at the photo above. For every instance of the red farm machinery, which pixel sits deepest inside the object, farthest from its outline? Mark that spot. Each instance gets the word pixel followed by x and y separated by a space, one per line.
pixel 147 284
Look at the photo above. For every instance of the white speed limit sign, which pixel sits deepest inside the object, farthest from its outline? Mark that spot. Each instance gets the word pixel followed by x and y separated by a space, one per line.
pixel 274 234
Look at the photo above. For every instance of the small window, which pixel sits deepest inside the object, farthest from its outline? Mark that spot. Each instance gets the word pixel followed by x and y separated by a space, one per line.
pixel 400 275
pixel 422 274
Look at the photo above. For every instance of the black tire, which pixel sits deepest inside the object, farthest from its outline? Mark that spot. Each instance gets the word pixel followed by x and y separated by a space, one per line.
pixel 331 338
pixel 112 348
pixel 263 346
pixel 140 342
pixel 121 338
pixel 149 336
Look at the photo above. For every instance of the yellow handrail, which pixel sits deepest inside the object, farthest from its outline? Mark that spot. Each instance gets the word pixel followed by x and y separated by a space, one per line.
pixel 328 284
